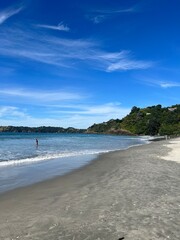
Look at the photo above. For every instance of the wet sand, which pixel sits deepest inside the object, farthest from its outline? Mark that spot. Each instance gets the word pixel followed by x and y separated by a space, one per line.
pixel 130 194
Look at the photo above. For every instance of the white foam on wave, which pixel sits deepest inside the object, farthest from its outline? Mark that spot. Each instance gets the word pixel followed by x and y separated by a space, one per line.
pixel 51 156
pixel 48 157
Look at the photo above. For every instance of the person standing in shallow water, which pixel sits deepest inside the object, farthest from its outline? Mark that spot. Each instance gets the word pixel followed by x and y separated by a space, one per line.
pixel 37 143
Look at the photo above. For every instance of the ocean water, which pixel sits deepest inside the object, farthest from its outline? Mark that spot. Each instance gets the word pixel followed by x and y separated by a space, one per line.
pixel 23 163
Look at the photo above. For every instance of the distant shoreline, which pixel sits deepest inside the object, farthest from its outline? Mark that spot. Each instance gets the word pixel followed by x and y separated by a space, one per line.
pixel 42 129
pixel 59 130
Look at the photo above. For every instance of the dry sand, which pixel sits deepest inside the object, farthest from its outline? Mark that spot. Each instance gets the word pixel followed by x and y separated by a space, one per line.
pixel 131 194
pixel 174 154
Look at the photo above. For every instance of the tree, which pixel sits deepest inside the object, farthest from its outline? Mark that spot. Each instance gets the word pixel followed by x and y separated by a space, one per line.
pixel 134 110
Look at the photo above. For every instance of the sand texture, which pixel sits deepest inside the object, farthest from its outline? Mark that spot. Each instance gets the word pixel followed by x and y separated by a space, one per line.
pixel 174 154
pixel 132 194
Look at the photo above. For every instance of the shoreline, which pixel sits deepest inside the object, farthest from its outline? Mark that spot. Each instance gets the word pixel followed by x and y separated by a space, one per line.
pixel 125 193
pixel 35 171
pixel 98 157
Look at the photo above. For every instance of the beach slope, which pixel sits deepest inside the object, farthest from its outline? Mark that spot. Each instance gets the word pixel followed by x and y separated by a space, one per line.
pixel 129 194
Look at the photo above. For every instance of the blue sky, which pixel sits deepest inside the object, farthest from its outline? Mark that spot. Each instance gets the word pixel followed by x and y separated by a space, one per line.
pixel 75 63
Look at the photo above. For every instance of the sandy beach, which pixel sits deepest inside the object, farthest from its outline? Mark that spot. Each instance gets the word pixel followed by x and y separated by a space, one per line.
pixel 129 194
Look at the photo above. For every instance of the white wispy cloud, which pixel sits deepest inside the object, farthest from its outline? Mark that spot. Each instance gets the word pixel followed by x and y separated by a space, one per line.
pixel 7 13
pixel 122 61
pixel 61 52
pixel 56 104
pixel 82 118
pixel 40 96
pixel 115 11
pixel 103 109
pixel 98 16
pixel 11 112
pixel 159 83
pixel 169 84
pixel 97 19
pixel 128 64
pixel 60 27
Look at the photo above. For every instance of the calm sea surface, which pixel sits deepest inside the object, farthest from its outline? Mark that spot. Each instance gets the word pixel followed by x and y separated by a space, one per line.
pixel 22 163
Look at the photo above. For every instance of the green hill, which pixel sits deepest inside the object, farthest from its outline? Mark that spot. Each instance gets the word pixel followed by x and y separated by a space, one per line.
pixel 42 129
pixel 153 120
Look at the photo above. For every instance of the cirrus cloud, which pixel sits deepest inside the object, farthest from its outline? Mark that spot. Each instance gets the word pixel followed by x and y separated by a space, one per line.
pixel 7 13
pixel 42 96
pixel 78 116
pixel 65 53
pixel 59 27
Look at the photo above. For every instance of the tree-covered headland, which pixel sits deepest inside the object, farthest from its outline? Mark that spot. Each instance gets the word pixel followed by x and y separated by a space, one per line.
pixel 154 120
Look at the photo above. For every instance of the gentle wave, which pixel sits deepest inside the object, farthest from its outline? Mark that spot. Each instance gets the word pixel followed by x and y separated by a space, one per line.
pixel 48 157
pixel 59 155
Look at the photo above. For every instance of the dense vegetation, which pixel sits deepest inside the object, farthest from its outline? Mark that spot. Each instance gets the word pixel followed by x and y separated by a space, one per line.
pixel 40 129
pixel 153 120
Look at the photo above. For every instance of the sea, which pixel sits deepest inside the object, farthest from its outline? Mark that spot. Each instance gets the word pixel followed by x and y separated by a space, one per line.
pixel 23 163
